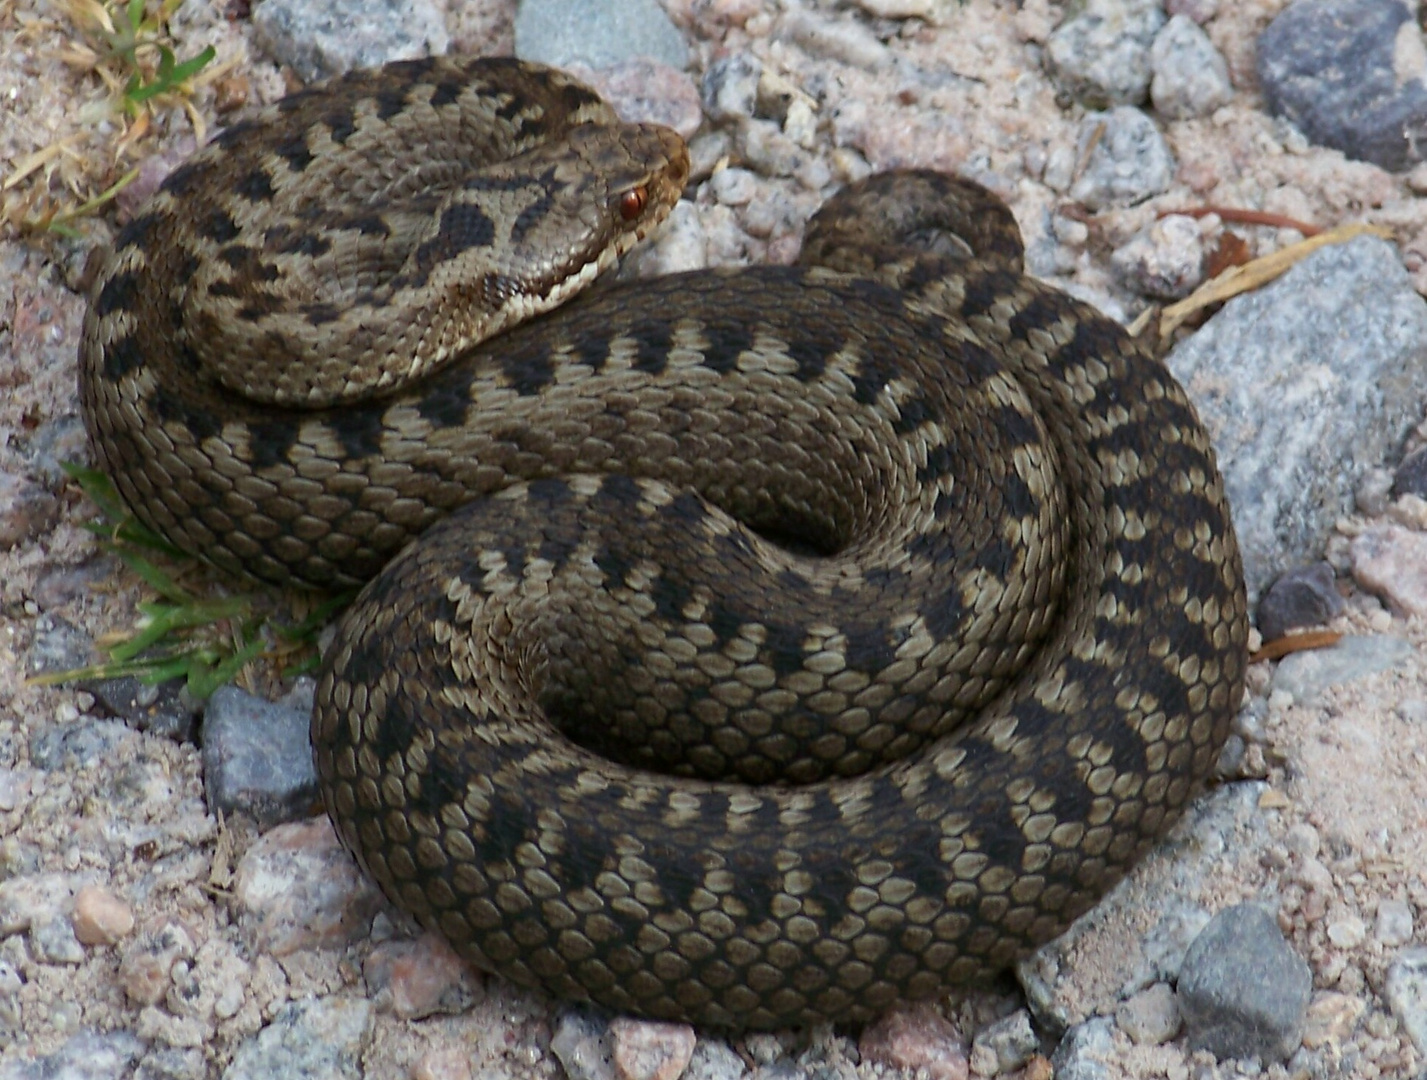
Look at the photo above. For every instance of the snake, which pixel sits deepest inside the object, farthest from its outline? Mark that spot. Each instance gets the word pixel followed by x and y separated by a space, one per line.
pixel 749 647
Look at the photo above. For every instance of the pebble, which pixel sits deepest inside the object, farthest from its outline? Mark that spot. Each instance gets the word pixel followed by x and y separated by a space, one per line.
pixel 27 510
pixel 916 1037
pixel 165 709
pixel 644 1050
pixel 100 917
pixel 1406 993
pixel 420 977
pixel 443 1063
pixel 1393 926
pixel 729 91
pixel 56 645
pixel 1305 675
pixel 848 40
pixel 1411 475
pixel 86 1056
pixel 256 755
pixel 1304 596
pixel 1347 932
pixel 1409 510
pixel 297 888
pixel 582 1045
pixel 1281 376
pixel 1331 1018
pixel 1373 491
pixel 1349 74
pixel 1086 1052
pixel 173 1063
pixel 1391 562
pixel 77 746
pixel 1062 991
pixel 1126 159
pixel 53 942
pixel 321 1037
pixel 147 962
pixel 29 899
pixel 1243 991
pixel 1165 259
pixel 714 1060
pixel 734 186
pixel 1190 76
pixel 1005 1045
pixel 318 40
pixel 1151 1017
pixel 1100 55
pixel 597 32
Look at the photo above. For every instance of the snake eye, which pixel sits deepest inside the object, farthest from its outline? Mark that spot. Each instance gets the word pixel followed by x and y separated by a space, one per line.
pixel 632 202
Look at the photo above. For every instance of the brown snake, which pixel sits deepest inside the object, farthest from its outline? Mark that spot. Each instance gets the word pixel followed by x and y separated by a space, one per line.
pixel 902 585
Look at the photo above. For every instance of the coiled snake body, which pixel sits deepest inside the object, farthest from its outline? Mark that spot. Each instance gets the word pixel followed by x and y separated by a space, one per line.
pixel 903 586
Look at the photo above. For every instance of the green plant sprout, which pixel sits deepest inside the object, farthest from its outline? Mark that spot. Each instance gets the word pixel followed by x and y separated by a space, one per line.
pixel 204 641
pixel 127 35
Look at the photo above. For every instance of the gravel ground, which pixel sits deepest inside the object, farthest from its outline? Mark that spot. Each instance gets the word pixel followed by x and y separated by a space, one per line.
pixel 140 933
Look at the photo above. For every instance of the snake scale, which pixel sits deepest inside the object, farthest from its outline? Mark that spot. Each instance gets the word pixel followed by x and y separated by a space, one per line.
pixel 780 642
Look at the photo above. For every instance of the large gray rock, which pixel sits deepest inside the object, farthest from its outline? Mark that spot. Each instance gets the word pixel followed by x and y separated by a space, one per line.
pixel 1350 74
pixel 1100 54
pixel 596 32
pixel 1242 991
pixel 1304 385
pixel 318 40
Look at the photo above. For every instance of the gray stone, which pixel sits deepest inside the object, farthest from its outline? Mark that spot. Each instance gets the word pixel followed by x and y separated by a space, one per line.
pixel 1151 1017
pixel 714 1060
pixel 1305 596
pixel 57 646
pixel 165 708
pixel 1191 77
pixel 322 1037
pixel 1126 159
pixel 1243 992
pixel 1165 259
pixel 730 87
pixel 319 40
pixel 1086 1052
pixel 1411 475
pixel 1349 73
pixel 256 755
pixel 53 942
pixel 1100 55
pixel 1406 993
pixel 173 1063
pixel 1306 674
pixel 1062 993
pixel 596 32
pixel 583 1046
pixel 1390 562
pixel 1393 926
pixel 1005 1045
pixel 845 39
pixel 1303 385
pixel 28 510
pixel 1373 491
pixel 87 1056
pixel 80 745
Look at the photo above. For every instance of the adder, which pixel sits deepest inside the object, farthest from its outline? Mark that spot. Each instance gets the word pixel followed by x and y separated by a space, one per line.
pixel 751 647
